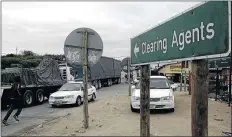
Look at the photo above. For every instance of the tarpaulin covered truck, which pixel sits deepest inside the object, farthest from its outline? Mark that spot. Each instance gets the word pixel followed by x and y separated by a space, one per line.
pixel 37 83
pixel 105 73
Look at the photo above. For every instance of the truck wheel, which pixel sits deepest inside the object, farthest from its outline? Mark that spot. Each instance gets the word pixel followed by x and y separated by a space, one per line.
pixel 111 82
pixel 108 83
pixel 96 86
pixel 39 96
pixel 99 84
pixel 28 98
pixel 119 80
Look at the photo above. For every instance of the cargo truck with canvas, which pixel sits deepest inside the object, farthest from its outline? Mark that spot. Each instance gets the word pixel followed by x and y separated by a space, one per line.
pixel 37 83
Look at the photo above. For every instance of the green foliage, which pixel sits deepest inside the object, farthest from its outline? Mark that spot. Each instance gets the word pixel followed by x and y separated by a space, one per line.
pixel 27 59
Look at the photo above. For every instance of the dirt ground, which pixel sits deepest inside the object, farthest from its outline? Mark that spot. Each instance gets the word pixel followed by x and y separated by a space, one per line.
pixel 113 117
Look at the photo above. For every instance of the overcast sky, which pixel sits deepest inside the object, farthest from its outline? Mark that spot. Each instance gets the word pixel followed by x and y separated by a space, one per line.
pixel 43 26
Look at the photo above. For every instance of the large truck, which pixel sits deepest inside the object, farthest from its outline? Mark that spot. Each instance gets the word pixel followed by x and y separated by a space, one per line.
pixel 37 83
pixel 49 76
pixel 105 73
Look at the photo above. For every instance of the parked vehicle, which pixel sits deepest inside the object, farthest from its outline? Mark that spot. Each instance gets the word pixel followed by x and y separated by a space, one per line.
pixel 174 86
pixel 37 83
pixel 161 94
pixel 71 93
pixel 105 73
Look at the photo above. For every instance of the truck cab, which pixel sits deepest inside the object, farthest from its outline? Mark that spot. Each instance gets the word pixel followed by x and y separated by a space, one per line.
pixel 67 73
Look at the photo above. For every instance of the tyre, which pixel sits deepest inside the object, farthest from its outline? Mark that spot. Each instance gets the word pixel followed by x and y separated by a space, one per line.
pixel 78 101
pixel 99 84
pixel 39 96
pixel 119 80
pixel 96 85
pixel 172 110
pixel 93 97
pixel 132 109
pixel 28 98
pixel 108 83
pixel 53 106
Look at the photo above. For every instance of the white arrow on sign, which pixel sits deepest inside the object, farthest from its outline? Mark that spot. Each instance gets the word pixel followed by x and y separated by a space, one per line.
pixel 136 50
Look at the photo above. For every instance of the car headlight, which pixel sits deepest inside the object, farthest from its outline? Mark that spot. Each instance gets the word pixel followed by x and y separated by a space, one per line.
pixel 51 97
pixel 167 98
pixel 69 96
pixel 136 98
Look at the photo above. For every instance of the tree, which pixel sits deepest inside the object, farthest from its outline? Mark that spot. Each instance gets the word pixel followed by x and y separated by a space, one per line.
pixel 28 53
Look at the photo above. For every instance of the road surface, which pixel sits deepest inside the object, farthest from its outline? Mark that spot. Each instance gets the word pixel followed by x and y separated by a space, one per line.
pixel 34 116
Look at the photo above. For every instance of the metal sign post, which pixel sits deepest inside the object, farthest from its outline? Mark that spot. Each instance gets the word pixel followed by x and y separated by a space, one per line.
pixel 83 47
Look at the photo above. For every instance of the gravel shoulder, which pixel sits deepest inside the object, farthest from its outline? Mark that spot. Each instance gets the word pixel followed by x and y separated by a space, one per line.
pixel 113 117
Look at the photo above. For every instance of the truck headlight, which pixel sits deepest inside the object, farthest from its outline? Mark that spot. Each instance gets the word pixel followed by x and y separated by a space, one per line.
pixel 136 98
pixel 167 98
pixel 69 96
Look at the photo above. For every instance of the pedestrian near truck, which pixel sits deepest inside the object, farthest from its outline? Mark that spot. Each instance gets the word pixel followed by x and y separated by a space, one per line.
pixel 16 101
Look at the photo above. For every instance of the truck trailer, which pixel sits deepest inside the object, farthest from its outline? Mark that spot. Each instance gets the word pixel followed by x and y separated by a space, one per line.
pixel 49 76
pixel 37 83
pixel 105 73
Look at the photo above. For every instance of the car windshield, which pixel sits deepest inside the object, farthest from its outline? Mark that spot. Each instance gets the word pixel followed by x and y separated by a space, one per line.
pixel 70 87
pixel 156 83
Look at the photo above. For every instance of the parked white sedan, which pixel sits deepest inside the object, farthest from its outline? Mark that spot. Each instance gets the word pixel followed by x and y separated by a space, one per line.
pixel 161 94
pixel 174 86
pixel 71 93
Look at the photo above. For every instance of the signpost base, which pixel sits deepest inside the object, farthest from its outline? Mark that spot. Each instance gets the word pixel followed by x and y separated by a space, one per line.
pixel 145 101
pixel 199 107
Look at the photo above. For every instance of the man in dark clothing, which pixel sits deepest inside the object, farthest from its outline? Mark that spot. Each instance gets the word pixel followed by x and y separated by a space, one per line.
pixel 16 101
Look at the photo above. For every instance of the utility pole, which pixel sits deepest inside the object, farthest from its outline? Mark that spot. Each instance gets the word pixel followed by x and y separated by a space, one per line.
pixel 85 75
pixel 229 97
pixel 185 76
pixel 16 50
pixel 145 101
pixel 217 84
pixel 181 76
pixel 129 78
pixel 199 102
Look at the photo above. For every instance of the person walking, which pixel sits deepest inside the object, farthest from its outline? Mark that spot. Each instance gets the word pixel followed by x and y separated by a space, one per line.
pixel 16 100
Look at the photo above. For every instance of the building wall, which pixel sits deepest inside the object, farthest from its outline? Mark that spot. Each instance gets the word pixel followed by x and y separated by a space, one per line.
pixel 174 68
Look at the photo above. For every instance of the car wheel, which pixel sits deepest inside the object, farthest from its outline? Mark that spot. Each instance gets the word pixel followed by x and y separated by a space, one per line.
pixel 53 106
pixel 78 101
pixel 172 109
pixel 132 109
pixel 93 97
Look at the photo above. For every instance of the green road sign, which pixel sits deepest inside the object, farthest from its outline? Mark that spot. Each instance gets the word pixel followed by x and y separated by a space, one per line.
pixel 219 63
pixel 201 32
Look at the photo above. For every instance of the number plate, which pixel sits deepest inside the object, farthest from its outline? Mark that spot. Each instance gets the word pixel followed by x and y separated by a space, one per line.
pixel 58 102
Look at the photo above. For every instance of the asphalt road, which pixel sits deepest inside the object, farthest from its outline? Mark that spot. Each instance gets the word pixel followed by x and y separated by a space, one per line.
pixel 36 115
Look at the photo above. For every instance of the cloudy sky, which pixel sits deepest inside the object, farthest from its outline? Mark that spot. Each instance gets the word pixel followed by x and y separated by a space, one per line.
pixel 43 26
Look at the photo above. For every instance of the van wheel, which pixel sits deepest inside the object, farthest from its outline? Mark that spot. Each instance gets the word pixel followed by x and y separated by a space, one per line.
pixel 39 96
pixel 28 98
pixel 78 101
